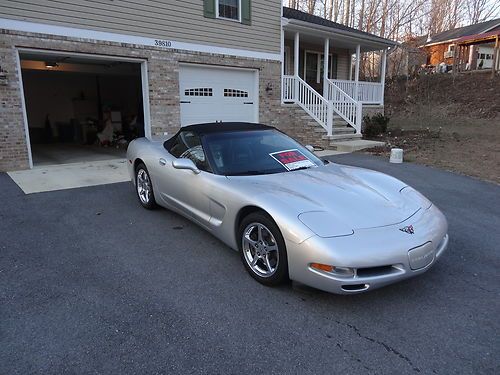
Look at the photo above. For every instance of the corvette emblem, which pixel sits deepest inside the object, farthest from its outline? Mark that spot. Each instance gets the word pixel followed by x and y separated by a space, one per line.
pixel 408 229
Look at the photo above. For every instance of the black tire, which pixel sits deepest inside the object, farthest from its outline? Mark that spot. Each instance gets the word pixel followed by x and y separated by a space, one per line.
pixel 149 203
pixel 280 275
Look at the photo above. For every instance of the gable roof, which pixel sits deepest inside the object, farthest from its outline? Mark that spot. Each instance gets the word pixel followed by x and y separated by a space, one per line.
pixel 311 18
pixel 459 32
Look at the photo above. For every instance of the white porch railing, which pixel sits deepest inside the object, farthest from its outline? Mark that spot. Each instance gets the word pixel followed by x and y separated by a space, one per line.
pixel 297 90
pixel 344 105
pixel 368 92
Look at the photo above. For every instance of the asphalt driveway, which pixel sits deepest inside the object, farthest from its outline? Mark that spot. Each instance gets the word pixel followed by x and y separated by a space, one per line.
pixel 92 283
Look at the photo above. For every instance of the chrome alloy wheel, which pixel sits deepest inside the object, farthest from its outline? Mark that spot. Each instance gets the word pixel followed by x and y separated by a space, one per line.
pixel 143 186
pixel 260 249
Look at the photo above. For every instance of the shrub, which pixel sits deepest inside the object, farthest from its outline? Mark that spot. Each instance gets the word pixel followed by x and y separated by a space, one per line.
pixel 375 125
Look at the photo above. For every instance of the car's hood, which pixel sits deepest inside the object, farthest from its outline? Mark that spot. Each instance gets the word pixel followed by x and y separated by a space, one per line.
pixel 357 197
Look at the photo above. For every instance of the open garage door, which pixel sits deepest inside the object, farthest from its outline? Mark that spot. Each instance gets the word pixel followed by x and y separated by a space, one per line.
pixel 210 94
pixel 81 108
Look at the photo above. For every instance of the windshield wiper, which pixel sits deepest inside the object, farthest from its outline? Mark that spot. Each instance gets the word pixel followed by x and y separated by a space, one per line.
pixel 248 173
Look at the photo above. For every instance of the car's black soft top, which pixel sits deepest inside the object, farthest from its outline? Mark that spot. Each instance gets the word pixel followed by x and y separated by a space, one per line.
pixel 217 127
pixel 222 127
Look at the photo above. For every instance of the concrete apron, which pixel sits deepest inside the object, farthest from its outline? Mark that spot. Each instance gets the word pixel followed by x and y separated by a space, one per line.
pixel 69 176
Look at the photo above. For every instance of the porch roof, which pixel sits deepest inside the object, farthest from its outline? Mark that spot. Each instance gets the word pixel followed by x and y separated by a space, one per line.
pixel 305 22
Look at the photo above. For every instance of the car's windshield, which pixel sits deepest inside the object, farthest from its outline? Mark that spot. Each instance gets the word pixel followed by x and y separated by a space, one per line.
pixel 256 152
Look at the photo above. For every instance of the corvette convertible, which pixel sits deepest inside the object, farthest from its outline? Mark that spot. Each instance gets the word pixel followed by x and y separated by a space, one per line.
pixel 290 214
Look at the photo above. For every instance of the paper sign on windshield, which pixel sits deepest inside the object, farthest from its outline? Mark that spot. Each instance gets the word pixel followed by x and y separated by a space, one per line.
pixel 292 159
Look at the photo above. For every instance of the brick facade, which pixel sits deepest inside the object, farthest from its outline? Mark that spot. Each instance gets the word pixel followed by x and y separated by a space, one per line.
pixel 163 74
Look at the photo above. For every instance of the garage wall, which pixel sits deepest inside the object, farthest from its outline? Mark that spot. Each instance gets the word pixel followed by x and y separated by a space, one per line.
pixel 175 20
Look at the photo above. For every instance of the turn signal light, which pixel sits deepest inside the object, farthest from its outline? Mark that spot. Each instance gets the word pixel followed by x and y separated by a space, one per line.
pixel 322 267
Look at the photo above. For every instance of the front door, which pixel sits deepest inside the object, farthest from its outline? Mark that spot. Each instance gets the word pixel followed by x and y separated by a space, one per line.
pixel 313 69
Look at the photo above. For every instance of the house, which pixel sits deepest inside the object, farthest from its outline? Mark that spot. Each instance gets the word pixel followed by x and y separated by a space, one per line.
pixel 69 69
pixel 440 48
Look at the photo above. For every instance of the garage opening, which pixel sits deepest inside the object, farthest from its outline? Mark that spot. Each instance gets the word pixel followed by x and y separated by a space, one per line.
pixel 80 108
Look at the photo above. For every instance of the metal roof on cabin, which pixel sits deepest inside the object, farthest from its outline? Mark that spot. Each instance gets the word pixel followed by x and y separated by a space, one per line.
pixel 453 34
pixel 311 18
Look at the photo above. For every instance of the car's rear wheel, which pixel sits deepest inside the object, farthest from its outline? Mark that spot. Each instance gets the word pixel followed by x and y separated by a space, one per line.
pixel 144 187
pixel 262 249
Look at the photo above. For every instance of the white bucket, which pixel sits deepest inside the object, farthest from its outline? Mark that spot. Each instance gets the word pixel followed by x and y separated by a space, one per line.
pixel 396 155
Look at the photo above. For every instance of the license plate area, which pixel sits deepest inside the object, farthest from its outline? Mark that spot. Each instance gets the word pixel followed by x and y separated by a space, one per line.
pixel 422 256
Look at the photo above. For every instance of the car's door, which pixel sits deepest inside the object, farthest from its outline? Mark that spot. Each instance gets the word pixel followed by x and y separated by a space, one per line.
pixel 181 188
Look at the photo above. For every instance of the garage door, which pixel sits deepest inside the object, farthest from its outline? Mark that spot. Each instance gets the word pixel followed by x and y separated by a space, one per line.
pixel 210 94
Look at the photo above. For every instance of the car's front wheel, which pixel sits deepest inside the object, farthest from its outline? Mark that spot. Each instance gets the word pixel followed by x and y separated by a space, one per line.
pixel 262 249
pixel 144 187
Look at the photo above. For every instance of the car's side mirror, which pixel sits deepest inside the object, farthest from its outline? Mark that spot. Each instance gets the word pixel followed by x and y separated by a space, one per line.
pixel 310 148
pixel 184 163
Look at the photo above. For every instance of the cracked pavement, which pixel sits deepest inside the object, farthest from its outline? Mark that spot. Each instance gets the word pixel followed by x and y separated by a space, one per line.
pixel 92 283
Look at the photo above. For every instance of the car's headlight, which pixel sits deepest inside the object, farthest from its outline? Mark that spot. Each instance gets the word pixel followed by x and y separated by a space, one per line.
pixel 416 197
pixel 324 224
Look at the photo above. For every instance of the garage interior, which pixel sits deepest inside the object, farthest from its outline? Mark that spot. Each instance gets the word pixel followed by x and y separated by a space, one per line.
pixel 80 108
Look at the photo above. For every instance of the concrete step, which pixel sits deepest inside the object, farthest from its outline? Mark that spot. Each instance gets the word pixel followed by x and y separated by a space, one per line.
pixel 344 137
pixel 354 145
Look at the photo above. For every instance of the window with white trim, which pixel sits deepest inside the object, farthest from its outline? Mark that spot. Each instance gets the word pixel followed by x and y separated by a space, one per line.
pixel 199 91
pixel 229 9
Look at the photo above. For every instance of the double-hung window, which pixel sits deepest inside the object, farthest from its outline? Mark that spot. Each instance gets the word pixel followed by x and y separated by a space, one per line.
pixel 229 9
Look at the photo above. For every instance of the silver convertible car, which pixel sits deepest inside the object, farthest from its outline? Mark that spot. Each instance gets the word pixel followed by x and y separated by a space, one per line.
pixel 289 214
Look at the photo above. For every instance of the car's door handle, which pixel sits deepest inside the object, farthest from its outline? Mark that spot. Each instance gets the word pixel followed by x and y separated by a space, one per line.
pixel 162 161
pixel 247 102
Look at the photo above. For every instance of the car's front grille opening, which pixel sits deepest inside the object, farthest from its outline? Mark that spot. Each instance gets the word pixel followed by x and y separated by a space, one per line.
pixel 376 271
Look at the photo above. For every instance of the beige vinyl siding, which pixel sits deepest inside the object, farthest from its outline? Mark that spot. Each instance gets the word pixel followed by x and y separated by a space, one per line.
pixel 343 64
pixel 177 20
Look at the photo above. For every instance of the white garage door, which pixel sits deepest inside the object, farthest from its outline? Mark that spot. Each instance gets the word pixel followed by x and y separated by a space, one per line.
pixel 210 94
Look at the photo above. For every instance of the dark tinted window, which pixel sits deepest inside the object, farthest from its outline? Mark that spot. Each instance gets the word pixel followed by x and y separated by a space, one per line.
pixel 254 152
pixel 188 145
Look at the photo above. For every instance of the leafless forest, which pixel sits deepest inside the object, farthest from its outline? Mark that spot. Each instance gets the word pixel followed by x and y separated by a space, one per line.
pixel 400 19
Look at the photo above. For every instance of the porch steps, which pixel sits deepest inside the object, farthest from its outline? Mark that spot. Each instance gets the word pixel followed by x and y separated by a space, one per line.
pixel 342 131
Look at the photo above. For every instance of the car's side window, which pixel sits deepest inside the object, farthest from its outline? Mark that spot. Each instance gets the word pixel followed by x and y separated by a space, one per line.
pixel 188 145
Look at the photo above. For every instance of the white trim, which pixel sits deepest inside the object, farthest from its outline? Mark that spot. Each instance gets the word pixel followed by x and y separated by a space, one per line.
pixel 224 18
pixel 25 114
pixel 145 100
pixel 40 28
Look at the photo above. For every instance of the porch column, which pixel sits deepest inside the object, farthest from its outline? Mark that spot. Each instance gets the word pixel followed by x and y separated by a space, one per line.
pixel 382 75
pixel 356 73
pixel 283 62
pixel 350 65
pixel 325 67
pixel 296 64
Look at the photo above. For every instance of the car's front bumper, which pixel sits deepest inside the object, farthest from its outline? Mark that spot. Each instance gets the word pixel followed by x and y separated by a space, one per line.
pixel 378 256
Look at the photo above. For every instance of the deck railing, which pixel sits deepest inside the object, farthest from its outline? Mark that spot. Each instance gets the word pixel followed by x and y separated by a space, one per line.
pixel 368 92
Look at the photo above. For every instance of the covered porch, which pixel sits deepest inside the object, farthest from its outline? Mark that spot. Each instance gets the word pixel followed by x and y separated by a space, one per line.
pixel 321 71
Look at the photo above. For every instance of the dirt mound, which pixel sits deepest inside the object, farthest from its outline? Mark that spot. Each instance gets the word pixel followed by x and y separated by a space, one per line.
pixel 472 95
